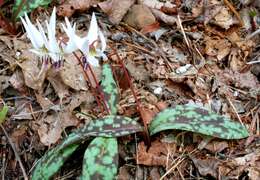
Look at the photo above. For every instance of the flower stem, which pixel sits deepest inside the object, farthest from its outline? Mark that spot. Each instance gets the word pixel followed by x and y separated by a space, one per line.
pixel 138 104
pixel 91 87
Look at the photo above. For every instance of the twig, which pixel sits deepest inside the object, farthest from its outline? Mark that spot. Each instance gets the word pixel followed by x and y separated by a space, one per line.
pixel 253 34
pixel 231 7
pixel 138 104
pixel 158 49
pixel 172 168
pixel 235 111
pixel 182 31
pixel 15 153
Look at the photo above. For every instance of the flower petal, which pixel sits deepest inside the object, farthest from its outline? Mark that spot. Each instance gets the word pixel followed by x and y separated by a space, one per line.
pixel 103 41
pixel 32 33
pixel 53 44
pixel 93 61
pixel 93 30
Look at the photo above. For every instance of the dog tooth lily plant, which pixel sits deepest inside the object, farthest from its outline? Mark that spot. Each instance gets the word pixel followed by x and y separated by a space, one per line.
pixel 46 47
pixel 88 45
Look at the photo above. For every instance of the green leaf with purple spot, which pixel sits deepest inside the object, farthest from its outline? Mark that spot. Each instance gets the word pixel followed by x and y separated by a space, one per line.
pixel 52 161
pixel 199 120
pixel 101 159
pixel 108 126
pixel 109 88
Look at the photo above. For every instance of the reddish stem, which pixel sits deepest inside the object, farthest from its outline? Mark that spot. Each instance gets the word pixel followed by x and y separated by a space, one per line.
pixel 101 93
pixel 91 87
pixel 138 104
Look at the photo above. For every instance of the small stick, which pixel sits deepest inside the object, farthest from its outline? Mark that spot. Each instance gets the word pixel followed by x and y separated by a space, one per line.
pixel 138 104
pixel 234 109
pixel 15 153
pixel 231 7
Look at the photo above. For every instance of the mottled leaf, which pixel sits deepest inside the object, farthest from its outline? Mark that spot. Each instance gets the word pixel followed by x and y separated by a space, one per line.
pixel 3 113
pixel 109 88
pixel 108 126
pixel 196 119
pixel 29 5
pixel 52 161
pixel 101 159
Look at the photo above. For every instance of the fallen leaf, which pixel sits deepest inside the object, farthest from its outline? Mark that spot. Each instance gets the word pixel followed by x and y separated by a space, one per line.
pixel 216 146
pixel 139 16
pixel 73 77
pixel 4 83
pixel 217 47
pixel 17 81
pixel 207 166
pixel 57 83
pixel 155 4
pixel 224 18
pixel 44 102
pixel 33 75
pixel 155 156
pixel 116 9
pixel 68 8
pixel 170 20
pixel 53 125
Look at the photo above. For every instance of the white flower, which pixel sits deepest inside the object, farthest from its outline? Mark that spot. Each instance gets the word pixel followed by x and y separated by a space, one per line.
pixel 46 47
pixel 88 45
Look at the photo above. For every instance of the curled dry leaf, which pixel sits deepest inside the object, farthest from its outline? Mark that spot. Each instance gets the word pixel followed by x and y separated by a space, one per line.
pixel 206 166
pixel 156 4
pixel 17 81
pixel 4 83
pixel 170 20
pixel 44 102
pixel 155 156
pixel 52 125
pixel 116 9
pixel 69 7
pixel 73 77
pixel 33 76
pixel 217 47
pixel 57 83
pixel 225 19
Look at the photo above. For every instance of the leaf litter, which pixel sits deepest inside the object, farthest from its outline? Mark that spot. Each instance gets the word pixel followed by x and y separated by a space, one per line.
pixel 206 61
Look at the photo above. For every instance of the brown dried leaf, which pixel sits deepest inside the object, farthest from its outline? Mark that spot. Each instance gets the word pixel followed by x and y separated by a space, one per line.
pixel 216 146
pixel 44 102
pixel 139 16
pixel 155 4
pixel 116 9
pixel 17 81
pixel 224 18
pixel 52 126
pixel 3 83
pixel 33 76
pixel 155 156
pixel 206 166
pixel 73 77
pixel 217 47
pixel 69 7
pixel 56 81
pixel 170 20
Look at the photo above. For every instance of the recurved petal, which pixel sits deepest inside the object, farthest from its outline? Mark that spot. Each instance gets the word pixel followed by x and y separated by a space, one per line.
pixel 43 35
pixel 53 20
pixel 93 30
pixel 32 33
pixel 103 40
